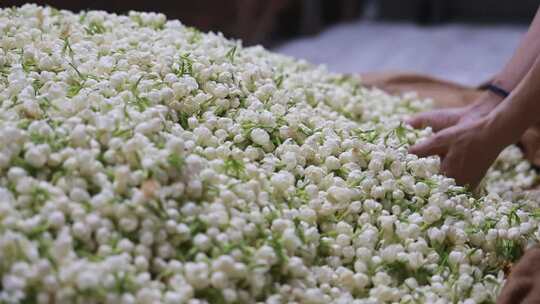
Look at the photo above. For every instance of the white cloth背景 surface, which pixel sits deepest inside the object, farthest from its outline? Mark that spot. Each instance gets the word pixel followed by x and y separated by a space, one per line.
pixel 468 54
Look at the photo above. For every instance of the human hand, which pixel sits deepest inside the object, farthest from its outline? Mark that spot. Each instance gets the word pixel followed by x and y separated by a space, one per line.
pixel 444 118
pixel 467 150
pixel 530 144
pixel 523 284
pixel 462 140
pixel 441 119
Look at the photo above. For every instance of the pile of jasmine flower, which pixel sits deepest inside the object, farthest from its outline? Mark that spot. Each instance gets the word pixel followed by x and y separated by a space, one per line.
pixel 142 161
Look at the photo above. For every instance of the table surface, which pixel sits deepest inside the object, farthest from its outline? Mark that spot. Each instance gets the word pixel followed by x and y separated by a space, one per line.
pixel 468 54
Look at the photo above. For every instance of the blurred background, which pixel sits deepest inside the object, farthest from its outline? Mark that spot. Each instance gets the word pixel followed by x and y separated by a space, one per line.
pixel 459 40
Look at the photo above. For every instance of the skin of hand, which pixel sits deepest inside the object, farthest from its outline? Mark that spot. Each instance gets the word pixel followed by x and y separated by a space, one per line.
pixel 530 144
pixel 523 284
pixel 464 138
pixel 443 118
pixel 459 129
pixel 465 148
pixel 523 58
pixel 470 146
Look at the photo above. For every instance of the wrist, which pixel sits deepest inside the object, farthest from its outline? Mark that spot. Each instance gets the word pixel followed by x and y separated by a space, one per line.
pixel 486 102
pixel 502 130
pixel 502 83
pixel 493 97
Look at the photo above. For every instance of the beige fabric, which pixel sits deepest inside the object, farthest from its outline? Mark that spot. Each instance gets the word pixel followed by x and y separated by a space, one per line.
pixel 444 93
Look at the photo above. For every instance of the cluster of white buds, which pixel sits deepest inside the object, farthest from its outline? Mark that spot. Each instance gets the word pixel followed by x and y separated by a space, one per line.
pixel 142 161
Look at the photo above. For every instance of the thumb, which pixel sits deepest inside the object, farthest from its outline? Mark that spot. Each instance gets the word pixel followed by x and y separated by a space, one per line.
pixel 530 144
pixel 434 145
pixel 437 120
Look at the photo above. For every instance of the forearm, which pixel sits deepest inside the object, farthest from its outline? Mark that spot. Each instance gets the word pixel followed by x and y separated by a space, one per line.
pixel 522 60
pixel 508 121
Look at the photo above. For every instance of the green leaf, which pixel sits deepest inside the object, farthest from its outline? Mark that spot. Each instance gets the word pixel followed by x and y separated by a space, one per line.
pixel 36 232
pixel 37 85
pixel 183 120
pixel 67 48
pixel 234 167
pixel 156 207
pixel 95 28
pixel 231 53
pixel 81 76
pixel 509 250
pixel 277 244
pixel 211 295
pixel 369 136
pixel 74 89
pixel 54 141
pixel 123 283
pixel 29 65
pixel 279 81
pixel 185 66
pixel 197 226
pixel 125 133
pixel 39 195
pixel 299 229
pixel 142 103
pixel 176 161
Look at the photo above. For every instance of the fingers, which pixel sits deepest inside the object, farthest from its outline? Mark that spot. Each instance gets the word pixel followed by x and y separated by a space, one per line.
pixel 523 285
pixel 468 176
pixel 515 290
pixel 529 264
pixel 435 145
pixel 452 167
pixel 533 297
pixel 530 144
pixel 437 120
